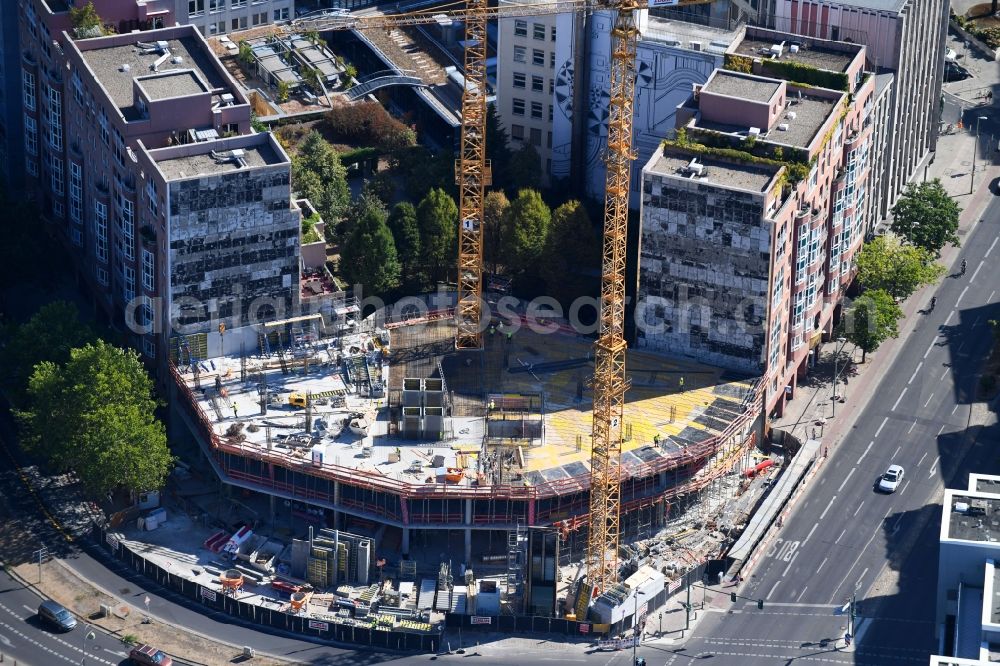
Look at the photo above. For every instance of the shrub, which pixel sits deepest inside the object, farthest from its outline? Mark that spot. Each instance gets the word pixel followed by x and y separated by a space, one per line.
pixel 369 124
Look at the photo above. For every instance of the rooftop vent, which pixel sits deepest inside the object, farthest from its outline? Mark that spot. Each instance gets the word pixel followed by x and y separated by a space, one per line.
pixel 695 46
pixel 162 45
pixel 177 60
pixel 783 127
pixel 159 61
pixel 236 156
pixel 794 48
pixel 777 49
pixel 754 131
pixel 694 169
pixel 791 115
pixel 125 67
pixel 227 98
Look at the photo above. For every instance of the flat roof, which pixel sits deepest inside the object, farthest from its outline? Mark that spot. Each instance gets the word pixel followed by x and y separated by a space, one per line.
pixel 995 607
pixel 680 34
pixel 894 6
pixel 812 53
pixel 981 523
pixel 810 115
pixel 201 164
pixel 178 83
pixel 988 485
pixel 732 84
pixel 107 62
pixel 752 177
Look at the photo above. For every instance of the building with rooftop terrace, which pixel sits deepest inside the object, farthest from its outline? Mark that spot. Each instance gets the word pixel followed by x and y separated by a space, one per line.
pixel 967 621
pixel 745 253
pixel 904 38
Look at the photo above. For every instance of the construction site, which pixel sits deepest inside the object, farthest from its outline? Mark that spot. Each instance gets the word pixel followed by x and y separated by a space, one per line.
pixel 379 446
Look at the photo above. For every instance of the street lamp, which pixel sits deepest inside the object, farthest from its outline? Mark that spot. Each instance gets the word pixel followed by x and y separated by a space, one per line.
pixel 836 357
pixel 975 149
pixel 88 635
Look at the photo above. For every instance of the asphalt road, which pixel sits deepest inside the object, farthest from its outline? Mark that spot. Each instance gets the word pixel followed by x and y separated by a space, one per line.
pixel 844 537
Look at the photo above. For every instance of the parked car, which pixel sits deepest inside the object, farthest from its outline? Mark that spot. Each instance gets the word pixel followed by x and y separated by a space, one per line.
pixel 55 615
pixel 891 479
pixel 150 656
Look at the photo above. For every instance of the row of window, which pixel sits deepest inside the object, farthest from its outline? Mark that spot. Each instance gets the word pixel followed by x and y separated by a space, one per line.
pixel 537 82
pixel 197 7
pixel 518 107
pixel 537 30
pixel 537 56
pixel 534 135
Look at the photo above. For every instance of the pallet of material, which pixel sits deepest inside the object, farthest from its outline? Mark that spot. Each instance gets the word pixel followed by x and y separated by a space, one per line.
pixel 425 600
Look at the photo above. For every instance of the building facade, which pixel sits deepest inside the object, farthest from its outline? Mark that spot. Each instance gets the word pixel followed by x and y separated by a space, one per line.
pixel 217 17
pixel 904 37
pixel 744 260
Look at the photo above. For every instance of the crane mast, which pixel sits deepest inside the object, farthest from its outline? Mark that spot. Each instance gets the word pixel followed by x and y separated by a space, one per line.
pixel 610 381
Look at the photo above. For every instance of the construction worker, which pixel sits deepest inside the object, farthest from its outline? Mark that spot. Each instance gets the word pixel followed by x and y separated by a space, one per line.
pixel 680 383
pixel 492 330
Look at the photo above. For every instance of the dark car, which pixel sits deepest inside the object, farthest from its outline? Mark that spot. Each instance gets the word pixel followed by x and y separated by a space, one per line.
pixel 150 656
pixel 54 614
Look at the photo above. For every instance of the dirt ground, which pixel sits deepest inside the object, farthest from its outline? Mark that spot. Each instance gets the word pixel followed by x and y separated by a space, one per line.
pixel 63 585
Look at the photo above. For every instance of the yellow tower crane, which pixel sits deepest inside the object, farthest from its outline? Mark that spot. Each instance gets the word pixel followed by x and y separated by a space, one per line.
pixel 473 174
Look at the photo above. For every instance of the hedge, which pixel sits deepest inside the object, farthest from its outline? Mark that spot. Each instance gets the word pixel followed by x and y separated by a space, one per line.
pixel 797 72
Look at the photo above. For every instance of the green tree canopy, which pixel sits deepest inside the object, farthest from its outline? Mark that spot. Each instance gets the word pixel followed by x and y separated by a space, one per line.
pixel 872 319
pixel 497 147
pixel 495 206
pixel 369 254
pixel 927 217
pixel 571 255
pixel 406 235
pixel 94 414
pixel 437 216
pixel 525 229
pixel 897 269
pixel 49 335
pixel 86 21
pixel 318 175
pixel 525 169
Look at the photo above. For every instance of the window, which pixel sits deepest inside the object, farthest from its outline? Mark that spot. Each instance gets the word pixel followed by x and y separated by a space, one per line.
pixel 520 54
pixel 538 30
pixel 102 120
pixel 799 312
pixel 56 180
pixel 548 142
pixel 553 33
pixel 552 86
pixel 101 233
pixel 802 255
pixel 149 348
pixel 151 197
pixel 260 19
pixel 55 119
pixel 518 107
pixel 281 14
pixel 239 23
pixel 552 60
pixel 148 280
pixel 520 28
pixel 536 136
pixel 536 109
pixel 550 113
pixel 239 3
pixel 28 87
pixel 58 210
pixel 517 132
pixel 31 166
pixel 216 5
pixel 102 276
pixel 75 236
pixel 538 57
pixel 75 192
pixel 30 135
pixel 537 83
pixel 128 287
pixel 196 7
pixel 128 228
pixel 519 79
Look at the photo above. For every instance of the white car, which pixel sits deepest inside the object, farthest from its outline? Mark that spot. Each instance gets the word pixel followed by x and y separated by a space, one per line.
pixel 891 479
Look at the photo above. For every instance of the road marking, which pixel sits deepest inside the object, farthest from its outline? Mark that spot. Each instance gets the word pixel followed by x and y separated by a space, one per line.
pixel 858 584
pixel 914 375
pixel 934 467
pixel 973 278
pixel 832 500
pixel 801 593
pixel 897 402
pixel 955 409
pixel 821 564
pixel 960 297
pixel 790 562
pixel 28 608
pixel 945 373
pixel 930 347
pixel 863 550
pixel 859 507
pixel 6 641
pixel 896 452
pixel 912 426
pixel 993 245
pixel 773 589
pixel 921 459
pixel 928 400
pixel 842 533
pixel 815 525
pixel 844 482
pixel 948 319
pixel 992 294
pixel 940 430
pixel 881 425
pixel 895 526
pixel 866 451
pixel 903 489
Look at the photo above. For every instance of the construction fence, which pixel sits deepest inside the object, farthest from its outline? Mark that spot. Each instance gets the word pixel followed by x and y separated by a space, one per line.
pixel 325 630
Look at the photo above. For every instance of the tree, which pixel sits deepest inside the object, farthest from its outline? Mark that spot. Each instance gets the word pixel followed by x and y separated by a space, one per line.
pixel 898 269
pixel 282 92
pixel 369 254
pixel 495 206
pixel 525 169
pixel 525 229
pixel 94 414
pixel 437 216
pixel 86 21
pixel 571 255
pixel 497 147
pixel 873 319
pixel 318 175
pixel 406 235
pixel 927 217
pixel 49 335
